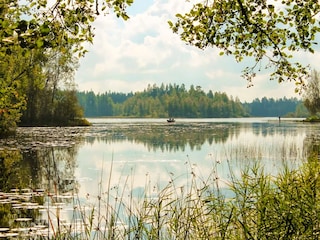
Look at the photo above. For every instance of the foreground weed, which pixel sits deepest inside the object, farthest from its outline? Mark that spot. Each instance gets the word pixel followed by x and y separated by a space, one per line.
pixel 260 206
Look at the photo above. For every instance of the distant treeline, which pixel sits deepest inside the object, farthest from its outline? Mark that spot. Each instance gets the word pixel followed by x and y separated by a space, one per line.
pixel 269 107
pixel 177 101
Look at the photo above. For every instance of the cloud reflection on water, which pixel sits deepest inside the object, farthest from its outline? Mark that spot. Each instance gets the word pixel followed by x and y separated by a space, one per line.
pixel 153 151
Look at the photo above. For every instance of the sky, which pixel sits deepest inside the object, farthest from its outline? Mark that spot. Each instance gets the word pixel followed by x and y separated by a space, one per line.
pixel 127 56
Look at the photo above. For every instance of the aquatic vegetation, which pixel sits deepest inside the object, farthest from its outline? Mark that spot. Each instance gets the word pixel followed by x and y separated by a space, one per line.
pixel 255 205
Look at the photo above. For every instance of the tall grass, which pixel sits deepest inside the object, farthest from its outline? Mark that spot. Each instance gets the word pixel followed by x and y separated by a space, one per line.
pixel 252 203
pixel 260 206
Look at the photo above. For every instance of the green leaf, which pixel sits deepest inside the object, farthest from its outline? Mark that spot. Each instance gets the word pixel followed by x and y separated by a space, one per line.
pixel 45 29
pixel 125 16
pixel 39 42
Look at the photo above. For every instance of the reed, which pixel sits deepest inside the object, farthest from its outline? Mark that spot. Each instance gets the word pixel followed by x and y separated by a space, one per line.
pixel 261 206
pixel 255 205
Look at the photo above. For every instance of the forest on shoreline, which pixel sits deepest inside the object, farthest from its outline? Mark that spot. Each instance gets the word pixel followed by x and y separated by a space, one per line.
pixel 177 101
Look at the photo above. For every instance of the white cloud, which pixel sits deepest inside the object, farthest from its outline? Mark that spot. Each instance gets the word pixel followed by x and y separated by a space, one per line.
pixel 127 56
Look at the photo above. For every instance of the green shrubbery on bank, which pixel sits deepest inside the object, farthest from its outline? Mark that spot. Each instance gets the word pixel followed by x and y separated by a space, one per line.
pixel 313 118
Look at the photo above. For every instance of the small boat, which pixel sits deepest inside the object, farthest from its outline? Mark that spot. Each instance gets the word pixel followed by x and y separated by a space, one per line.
pixel 170 120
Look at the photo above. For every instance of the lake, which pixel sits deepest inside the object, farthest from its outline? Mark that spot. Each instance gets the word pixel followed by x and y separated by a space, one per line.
pixel 154 150
pixel 60 168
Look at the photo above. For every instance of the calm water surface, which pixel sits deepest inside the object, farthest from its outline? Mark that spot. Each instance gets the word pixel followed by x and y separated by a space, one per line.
pixel 153 151
pixel 129 156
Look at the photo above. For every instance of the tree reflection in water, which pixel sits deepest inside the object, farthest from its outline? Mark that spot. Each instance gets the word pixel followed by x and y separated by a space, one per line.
pixel 165 137
pixel 36 180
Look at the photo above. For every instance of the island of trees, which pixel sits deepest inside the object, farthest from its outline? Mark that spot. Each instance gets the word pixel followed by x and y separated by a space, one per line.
pixel 176 101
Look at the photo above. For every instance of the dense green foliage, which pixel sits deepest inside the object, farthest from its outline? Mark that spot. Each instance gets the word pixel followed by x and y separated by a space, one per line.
pixel 52 24
pixel 38 40
pixel 311 97
pixel 270 32
pixel 50 92
pixel 37 89
pixel 177 101
pixel 164 101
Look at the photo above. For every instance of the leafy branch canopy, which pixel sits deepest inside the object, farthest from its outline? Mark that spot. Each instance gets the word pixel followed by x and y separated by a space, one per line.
pixel 30 32
pixel 50 24
pixel 272 30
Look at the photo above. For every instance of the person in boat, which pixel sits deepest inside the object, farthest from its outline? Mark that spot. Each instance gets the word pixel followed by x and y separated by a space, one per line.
pixel 171 120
